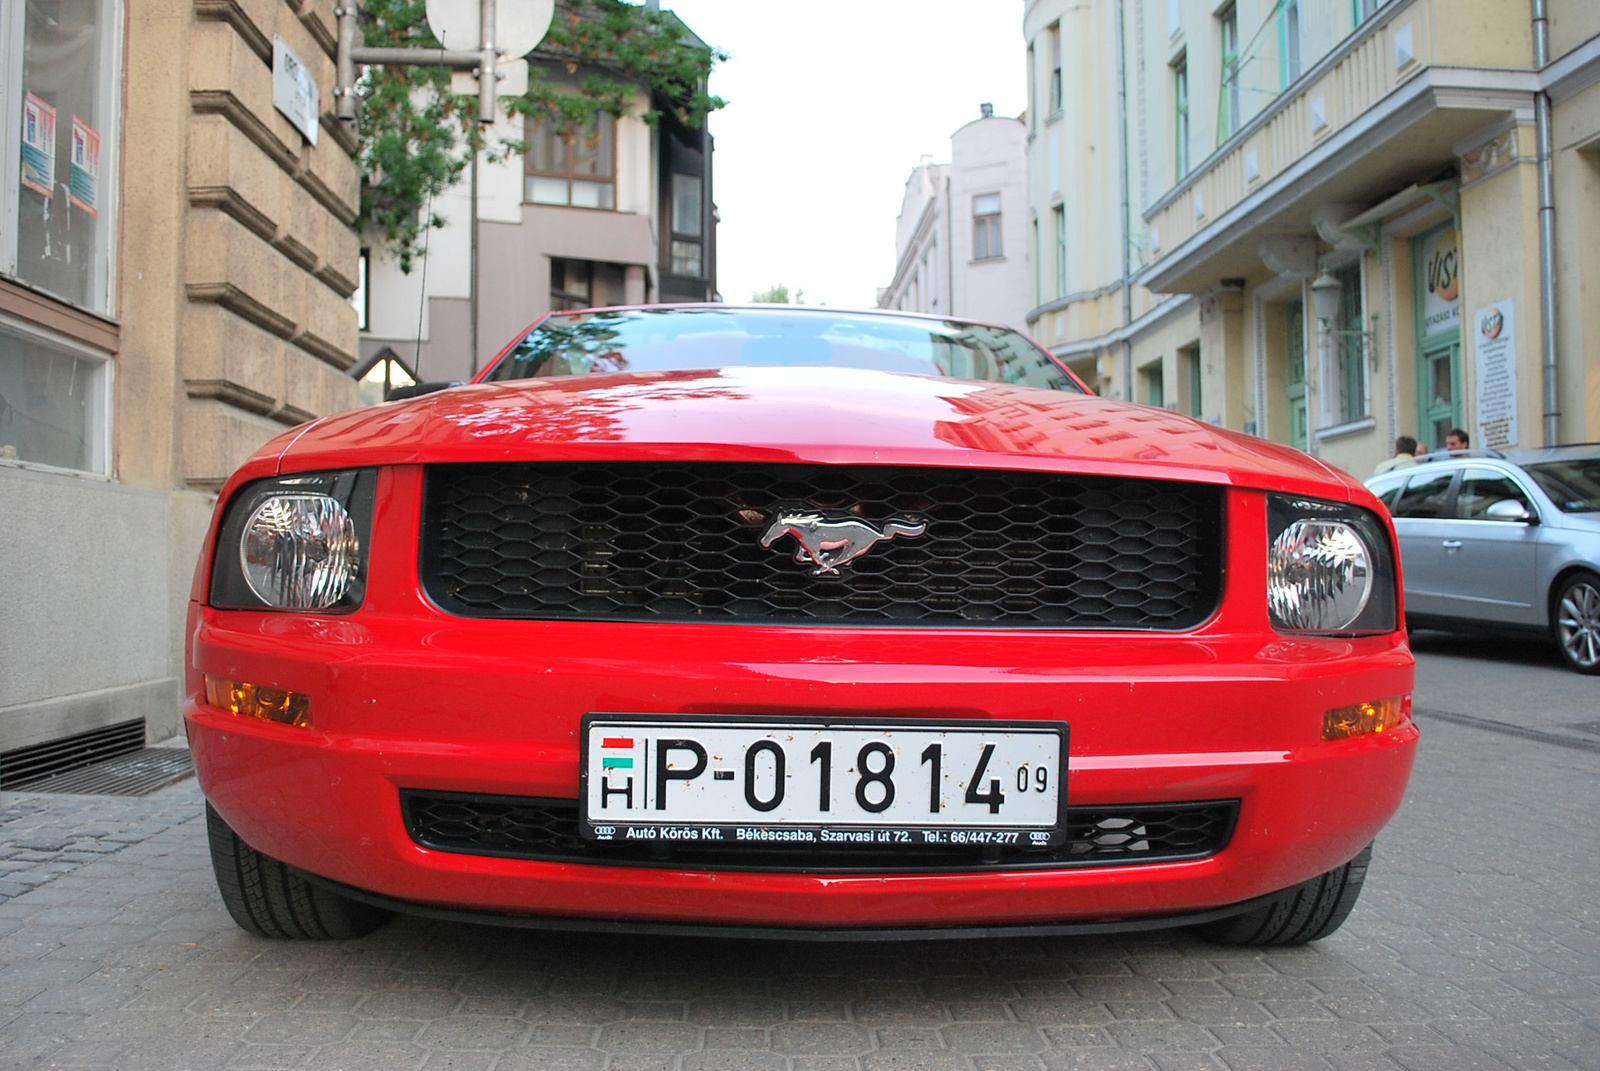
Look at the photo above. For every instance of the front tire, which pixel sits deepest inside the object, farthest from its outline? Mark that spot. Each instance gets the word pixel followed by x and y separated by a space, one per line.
pixel 267 898
pixel 1576 622
pixel 1309 911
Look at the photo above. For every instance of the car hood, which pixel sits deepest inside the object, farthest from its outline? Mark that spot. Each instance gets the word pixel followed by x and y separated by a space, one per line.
pixel 827 416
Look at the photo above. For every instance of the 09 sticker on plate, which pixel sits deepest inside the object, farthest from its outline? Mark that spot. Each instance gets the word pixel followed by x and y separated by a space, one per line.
pixel 816 781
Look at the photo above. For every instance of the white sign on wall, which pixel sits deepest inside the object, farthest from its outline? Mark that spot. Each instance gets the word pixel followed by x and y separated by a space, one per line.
pixel 294 91
pixel 1494 339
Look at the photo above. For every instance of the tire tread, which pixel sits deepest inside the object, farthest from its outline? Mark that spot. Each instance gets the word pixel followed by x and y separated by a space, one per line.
pixel 267 898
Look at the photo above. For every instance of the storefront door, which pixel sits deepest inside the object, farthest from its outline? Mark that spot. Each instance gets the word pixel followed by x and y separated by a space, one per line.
pixel 1295 378
pixel 1439 383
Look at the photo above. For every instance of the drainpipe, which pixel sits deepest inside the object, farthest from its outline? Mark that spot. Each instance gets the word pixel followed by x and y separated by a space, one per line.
pixel 1547 232
pixel 1127 236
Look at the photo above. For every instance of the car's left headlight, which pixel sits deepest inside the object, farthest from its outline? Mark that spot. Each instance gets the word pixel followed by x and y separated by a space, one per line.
pixel 296 543
pixel 1330 568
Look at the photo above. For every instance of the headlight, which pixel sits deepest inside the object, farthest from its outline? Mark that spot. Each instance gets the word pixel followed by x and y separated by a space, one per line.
pixel 295 543
pixel 1329 568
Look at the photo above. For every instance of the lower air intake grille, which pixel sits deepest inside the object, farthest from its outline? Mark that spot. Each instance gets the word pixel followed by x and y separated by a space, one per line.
pixel 641 541
pixel 523 827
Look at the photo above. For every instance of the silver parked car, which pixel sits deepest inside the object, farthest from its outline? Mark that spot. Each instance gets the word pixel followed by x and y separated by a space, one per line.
pixel 1502 543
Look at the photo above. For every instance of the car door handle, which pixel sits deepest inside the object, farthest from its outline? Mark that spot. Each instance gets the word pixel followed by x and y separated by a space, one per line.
pixel 1452 544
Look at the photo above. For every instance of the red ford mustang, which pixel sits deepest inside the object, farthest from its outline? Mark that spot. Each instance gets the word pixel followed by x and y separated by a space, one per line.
pixel 794 622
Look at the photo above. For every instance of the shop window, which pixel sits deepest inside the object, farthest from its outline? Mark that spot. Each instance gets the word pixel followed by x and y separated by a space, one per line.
pixel 576 167
pixel 59 77
pixel 53 401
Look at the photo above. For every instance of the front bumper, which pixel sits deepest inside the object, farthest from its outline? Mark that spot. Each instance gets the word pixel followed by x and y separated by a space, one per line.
pixel 419 700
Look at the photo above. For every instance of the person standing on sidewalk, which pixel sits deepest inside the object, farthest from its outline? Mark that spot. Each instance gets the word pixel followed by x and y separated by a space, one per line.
pixel 1405 453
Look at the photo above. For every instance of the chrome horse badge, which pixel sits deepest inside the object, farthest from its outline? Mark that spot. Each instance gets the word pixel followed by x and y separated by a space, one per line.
pixel 831 538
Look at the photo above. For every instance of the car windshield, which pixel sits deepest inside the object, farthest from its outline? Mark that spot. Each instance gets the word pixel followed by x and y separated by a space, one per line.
pixel 1573 485
pixel 660 340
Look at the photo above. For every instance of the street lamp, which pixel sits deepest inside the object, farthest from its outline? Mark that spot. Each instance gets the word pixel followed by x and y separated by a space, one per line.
pixel 1327 292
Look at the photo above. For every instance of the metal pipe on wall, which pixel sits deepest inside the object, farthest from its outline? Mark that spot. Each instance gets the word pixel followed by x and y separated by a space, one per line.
pixel 1127 234
pixel 1547 233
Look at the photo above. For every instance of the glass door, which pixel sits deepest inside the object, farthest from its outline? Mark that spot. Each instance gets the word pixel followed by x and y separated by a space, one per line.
pixel 1439 392
pixel 1295 374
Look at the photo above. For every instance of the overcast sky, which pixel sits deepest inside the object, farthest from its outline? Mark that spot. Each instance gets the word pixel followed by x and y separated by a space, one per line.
pixel 831 103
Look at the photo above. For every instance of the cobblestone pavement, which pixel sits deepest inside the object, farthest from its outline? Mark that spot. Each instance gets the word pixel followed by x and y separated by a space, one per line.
pixel 1475 946
pixel 44 837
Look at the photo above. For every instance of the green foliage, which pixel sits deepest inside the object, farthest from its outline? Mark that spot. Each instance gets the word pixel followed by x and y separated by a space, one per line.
pixel 416 136
pixel 779 295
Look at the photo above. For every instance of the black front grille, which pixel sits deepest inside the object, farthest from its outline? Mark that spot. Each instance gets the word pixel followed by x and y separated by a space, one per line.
pixel 682 542
pixel 524 827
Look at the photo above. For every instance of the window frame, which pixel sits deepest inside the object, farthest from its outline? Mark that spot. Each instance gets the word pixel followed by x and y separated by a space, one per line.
pixel 1057 90
pixel 1059 218
pixel 1229 106
pixel 987 243
pixel 1180 116
pixel 1350 343
pixel 98 434
pixel 570 175
pixel 1291 63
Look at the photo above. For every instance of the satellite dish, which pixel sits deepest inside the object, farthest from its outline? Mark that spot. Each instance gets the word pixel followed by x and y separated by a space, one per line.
pixel 519 24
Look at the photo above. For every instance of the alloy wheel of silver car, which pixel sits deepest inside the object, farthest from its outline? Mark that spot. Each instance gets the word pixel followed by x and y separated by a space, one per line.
pixel 1578 623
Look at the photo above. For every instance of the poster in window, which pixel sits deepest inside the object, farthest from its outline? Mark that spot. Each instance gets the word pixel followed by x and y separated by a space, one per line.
pixel 38 145
pixel 84 185
pixel 1441 275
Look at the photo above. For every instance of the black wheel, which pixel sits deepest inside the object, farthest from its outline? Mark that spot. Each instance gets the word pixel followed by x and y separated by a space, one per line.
pixel 268 899
pixel 1308 912
pixel 1575 620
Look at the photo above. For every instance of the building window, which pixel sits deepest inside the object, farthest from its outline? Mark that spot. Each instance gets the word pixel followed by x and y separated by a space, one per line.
pixel 576 168
pixel 1155 391
pixel 686 218
pixel 1228 116
pixel 686 259
pixel 1294 378
pixel 1350 344
pixel 1180 116
pixel 571 284
pixel 361 300
pixel 1033 95
pixel 1289 41
pixel 60 78
pixel 1060 213
pixel 986 226
pixel 688 221
pixel 1362 10
pixel 54 400
pixel 1190 364
pixel 1053 34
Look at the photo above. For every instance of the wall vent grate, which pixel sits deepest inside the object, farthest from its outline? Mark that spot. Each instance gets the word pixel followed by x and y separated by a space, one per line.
pixel 25 766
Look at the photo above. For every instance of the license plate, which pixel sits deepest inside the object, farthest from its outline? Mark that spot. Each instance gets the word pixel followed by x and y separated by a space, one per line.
pixel 801 781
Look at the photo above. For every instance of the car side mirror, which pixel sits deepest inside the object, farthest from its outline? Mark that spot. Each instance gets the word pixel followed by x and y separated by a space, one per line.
pixel 417 390
pixel 1509 509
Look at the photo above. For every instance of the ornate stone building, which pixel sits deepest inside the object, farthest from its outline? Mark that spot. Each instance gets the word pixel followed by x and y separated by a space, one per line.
pixel 176 264
pixel 1301 219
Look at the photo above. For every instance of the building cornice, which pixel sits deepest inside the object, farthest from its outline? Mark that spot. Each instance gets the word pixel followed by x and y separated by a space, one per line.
pixel 1572 73
pixel 1168 308
pixel 1432 90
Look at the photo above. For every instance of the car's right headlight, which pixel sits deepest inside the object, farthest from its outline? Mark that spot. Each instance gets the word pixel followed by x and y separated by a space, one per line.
pixel 1329 568
pixel 296 543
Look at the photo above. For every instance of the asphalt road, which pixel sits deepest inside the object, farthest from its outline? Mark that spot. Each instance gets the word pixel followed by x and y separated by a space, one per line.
pixel 1476 945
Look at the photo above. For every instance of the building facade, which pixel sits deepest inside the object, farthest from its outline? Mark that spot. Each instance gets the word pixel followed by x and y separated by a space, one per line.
pixel 961 241
pixel 618 213
pixel 1319 221
pixel 176 263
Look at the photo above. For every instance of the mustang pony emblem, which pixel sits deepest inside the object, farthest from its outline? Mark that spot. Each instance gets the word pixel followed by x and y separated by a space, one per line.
pixel 831 538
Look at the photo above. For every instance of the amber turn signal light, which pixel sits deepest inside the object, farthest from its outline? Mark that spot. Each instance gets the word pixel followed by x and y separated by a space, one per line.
pixel 1364 718
pixel 254 701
